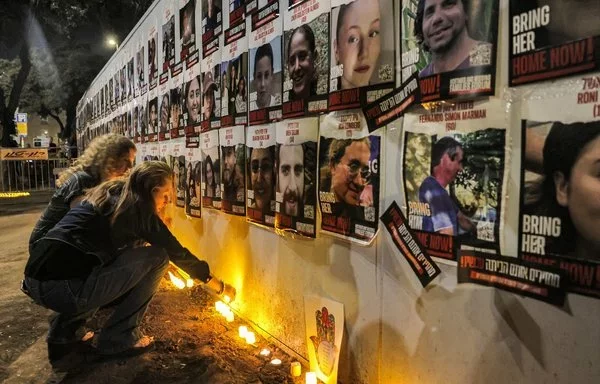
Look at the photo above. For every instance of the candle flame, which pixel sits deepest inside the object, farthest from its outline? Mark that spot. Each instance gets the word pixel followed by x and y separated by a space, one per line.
pixel 176 281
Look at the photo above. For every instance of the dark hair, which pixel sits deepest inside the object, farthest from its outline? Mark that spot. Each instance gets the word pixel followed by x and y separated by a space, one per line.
pixel 444 145
pixel 418 32
pixel 208 161
pixel 309 35
pixel 264 50
pixel 562 148
pixel 242 78
pixel 337 148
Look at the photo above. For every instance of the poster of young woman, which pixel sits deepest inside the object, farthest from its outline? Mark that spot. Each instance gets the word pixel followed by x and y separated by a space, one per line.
pixel 306 57
pixel 260 170
pixel 559 221
pixel 187 28
pixel 159 118
pixel 296 172
pixel 454 176
pixel 211 166
pixel 178 156
pixel 193 191
pixel 233 169
pixel 141 86
pixel 451 45
pixel 265 71
pixel 153 57
pixel 211 80
pixel 192 101
pixel 362 52
pixel 552 38
pixel 349 158
pixel 173 113
pixel 234 69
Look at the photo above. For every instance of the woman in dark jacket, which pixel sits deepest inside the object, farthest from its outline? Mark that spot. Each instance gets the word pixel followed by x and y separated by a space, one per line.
pixel 98 254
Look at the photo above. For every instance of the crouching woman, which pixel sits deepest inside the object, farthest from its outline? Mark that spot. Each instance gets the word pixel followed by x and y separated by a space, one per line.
pixel 98 254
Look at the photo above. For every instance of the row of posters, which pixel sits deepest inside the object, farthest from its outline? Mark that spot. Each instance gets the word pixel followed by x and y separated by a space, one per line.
pixel 279 174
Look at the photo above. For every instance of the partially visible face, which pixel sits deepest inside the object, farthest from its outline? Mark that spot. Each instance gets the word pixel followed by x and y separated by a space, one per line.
pixel 193 100
pixel 291 178
pixel 358 43
pixel 348 176
pixel 583 194
pixel 209 174
pixel 209 104
pixel 263 78
pixel 261 176
pixel 164 112
pixel 153 115
pixel 162 195
pixel 228 164
pixel 443 22
pixel 453 166
pixel 301 65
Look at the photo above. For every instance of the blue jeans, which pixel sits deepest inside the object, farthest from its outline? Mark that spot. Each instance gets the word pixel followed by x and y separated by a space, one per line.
pixel 132 279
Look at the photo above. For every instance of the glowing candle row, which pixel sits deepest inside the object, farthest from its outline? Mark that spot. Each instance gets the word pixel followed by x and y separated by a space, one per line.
pixel 224 310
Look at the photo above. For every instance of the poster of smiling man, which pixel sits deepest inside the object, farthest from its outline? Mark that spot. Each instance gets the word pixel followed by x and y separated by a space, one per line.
pixel 261 176
pixel 450 44
pixel 233 169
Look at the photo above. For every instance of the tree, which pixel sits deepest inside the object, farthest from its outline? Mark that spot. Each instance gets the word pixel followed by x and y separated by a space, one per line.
pixel 50 51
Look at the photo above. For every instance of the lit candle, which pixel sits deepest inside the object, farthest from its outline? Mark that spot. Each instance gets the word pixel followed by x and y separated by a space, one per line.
pixel 295 369
pixel 250 338
pixel 229 317
pixel 276 362
pixel 219 305
pixel 190 283
pixel 226 299
pixel 265 352
pixel 311 378
pixel 243 331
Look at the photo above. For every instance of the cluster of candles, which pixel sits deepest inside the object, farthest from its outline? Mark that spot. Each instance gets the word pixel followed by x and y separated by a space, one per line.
pixel 250 338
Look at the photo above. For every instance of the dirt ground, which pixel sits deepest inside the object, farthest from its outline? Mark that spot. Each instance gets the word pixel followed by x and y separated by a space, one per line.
pixel 194 343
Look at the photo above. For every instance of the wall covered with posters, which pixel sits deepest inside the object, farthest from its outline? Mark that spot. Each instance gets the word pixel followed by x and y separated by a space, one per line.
pixel 293 126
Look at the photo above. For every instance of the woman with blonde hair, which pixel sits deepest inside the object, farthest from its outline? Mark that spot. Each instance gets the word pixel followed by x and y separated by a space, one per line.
pixel 106 157
pixel 99 254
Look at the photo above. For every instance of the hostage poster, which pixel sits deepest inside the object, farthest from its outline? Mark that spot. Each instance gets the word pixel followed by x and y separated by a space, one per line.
pixel 168 38
pixel 193 185
pixel 211 165
pixel 234 71
pixel 551 39
pixel 233 169
pixel 158 122
pixel 152 57
pixel 140 64
pixel 187 28
pixel 260 143
pixel 361 52
pixel 297 173
pixel 560 165
pixel 306 57
pixel 450 44
pixel 192 100
pixel 211 80
pixel 178 157
pixel 349 187
pixel 265 73
pixel 174 107
pixel 454 176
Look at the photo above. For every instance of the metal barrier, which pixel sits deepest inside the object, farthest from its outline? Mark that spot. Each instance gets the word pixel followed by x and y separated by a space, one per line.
pixel 31 175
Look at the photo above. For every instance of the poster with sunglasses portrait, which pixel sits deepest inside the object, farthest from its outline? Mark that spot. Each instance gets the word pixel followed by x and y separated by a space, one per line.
pixel 159 119
pixel 175 121
pixel 141 86
pixel 296 172
pixel 193 177
pixel 260 192
pixel 349 187
pixel 233 169
pixel 559 221
pixel 187 28
pixel 192 100
pixel 450 44
pixel 178 156
pixel 152 57
pixel 306 57
pixel 211 81
pixel 362 52
pixel 552 38
pixel 234 69
pixel 265 68
pixel 455 175
pixel 211 166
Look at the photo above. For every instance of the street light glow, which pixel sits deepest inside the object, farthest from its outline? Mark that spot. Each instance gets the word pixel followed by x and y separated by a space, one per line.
pixel 112 42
